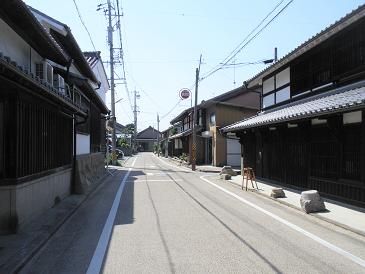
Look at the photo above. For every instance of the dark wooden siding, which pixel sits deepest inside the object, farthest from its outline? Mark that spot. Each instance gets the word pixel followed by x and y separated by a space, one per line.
pixel 331 61
pixel 323 157
pixel 37 138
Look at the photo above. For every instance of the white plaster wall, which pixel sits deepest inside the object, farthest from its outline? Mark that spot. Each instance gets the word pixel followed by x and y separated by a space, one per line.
pixel 82 144
pixel 100 75
pixel 17 49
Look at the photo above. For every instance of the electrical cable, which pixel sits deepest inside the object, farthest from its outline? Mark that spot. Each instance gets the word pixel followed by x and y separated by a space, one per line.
pixel 244 43
pixel 88 33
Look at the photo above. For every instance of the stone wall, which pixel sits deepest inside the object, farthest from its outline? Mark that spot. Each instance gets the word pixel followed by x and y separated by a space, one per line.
pixel 89 169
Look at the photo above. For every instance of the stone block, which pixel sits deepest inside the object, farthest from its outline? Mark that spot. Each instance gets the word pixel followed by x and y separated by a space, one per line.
pixel 228 170
pixel 311 201
pixel 225 176
pixel 277 193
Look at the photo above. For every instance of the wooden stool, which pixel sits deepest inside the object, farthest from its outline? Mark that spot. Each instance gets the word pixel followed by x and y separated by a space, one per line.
pixel 250 175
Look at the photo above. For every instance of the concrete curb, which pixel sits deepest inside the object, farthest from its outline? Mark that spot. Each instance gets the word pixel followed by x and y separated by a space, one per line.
pixel 312 215
pixel 208 171
pixel 26 258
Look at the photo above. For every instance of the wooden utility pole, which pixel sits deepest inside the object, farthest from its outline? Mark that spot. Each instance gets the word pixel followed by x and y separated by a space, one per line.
pixel 193 147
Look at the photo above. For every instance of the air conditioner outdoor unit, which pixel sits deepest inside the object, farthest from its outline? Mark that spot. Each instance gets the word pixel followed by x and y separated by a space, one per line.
pixel 67 90
pixel 44 71
pixel 59 83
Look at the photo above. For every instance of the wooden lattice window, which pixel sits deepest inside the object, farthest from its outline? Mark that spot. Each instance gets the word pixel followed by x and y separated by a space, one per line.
pixel 324 153
pixel 351 160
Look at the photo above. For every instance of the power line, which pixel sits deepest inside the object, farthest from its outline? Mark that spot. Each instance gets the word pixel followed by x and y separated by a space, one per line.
pixel 244 43
pixel 83 23
pixel 88 33
pixel 163 116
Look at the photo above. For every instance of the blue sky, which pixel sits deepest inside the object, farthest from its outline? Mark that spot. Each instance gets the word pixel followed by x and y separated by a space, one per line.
pixel 164 39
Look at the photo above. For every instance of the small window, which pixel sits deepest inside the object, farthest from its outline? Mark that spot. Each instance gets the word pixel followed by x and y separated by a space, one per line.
pixel 268 85
pixel 283 95
pixel 352 117
pixel 268 100
pixel 212 119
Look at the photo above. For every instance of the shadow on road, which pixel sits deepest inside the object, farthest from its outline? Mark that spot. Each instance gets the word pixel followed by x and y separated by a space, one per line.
pixel 126 206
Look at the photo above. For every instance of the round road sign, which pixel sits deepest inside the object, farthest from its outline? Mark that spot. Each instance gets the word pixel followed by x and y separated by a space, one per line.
pixel 184 93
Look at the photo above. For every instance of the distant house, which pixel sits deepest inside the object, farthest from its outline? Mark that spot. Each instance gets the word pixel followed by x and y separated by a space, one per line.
pixel 310 132
pixel 147 139
pixel 212 147
pixel 165 142
pixel 119 128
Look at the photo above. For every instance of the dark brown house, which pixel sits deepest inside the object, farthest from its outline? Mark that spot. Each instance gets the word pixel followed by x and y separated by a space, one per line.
pixel 310 133
pixel 212 147
pixel 147 139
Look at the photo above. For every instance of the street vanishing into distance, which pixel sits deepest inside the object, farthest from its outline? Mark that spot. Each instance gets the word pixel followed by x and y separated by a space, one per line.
pixel 154 217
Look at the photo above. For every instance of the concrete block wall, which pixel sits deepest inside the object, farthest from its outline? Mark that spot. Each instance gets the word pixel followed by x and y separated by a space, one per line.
pixel 20 203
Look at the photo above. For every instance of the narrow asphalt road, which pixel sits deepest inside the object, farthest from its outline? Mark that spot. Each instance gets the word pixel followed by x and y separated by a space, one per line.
pixel 153 217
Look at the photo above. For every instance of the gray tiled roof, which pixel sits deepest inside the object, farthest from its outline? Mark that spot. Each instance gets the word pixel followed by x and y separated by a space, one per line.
pixel 327 103
pixel 181 134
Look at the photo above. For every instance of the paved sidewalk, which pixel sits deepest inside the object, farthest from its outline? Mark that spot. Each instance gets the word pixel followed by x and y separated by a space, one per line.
pixel 341 214
pixel 17 249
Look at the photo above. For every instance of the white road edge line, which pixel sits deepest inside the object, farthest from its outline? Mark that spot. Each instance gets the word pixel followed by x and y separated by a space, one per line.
pixel 99 253
pixel 148 180
pixel 332 247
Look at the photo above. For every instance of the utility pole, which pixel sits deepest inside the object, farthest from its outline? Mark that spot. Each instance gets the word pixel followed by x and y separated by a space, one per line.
pixel 136 96
pixel 193 148
pixel 112 85
pixel 158 135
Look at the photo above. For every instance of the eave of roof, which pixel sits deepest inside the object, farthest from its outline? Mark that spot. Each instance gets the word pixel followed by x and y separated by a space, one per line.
pixel 320 37
pixel 19 17
pixel 181 134
pixel 339 100
pixel 182 114
pixel 70 45
pixel 92 57
pixel 85 86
